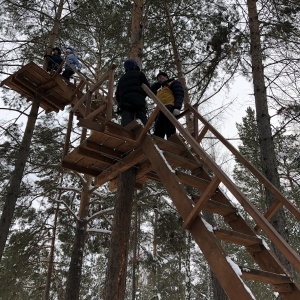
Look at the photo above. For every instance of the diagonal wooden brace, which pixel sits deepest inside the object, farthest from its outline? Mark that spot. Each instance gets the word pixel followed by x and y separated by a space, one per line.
pixel 270 213
pixel 201 202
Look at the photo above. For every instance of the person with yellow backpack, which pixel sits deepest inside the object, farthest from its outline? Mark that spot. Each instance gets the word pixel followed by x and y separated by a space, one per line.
pixel 170 92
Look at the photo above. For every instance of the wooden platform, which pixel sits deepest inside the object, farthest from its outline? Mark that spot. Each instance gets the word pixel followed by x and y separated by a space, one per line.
pixel 32 81
pixel 113 149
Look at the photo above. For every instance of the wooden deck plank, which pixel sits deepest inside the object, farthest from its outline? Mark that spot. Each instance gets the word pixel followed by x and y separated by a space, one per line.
pixel 112 153
pixel 108 141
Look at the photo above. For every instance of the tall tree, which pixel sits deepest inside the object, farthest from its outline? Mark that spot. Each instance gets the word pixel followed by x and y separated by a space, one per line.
pixel 267 149
pixel 115 282
pixel 15 182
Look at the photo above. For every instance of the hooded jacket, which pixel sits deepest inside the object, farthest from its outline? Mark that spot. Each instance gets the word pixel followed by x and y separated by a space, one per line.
pixel 72 61
pixel 129 93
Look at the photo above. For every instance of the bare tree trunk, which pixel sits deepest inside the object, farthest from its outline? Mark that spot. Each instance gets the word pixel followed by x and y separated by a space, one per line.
pixel 16 178
pixel 54 32
pixel 115 281
pixel 135 243
pixel 75 269
pixel 51 256
pixel 268 158
pixel 154 263
pixel 187 267
pixel 137 41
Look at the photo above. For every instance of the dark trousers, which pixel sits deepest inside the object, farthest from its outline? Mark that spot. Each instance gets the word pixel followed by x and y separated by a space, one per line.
pixel 163 126
pixel 67 73
pixel 129 115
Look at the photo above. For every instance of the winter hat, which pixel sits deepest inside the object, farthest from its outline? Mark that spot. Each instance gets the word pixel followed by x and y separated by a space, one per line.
pixel 131 64
pixel 163 74
pixel 58 50
pixel 71 49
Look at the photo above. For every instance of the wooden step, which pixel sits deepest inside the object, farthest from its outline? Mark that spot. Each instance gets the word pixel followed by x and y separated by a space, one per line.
pixel 219 208
pixel 237 237
pixel 264 276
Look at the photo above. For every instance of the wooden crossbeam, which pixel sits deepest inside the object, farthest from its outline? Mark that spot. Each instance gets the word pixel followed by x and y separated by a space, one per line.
pixel 270 213
pixel 96 111
pixel 237 237
pixel 147 126
pixel 202 134
pixel 201 202
pixel 263 276
pixel 129 161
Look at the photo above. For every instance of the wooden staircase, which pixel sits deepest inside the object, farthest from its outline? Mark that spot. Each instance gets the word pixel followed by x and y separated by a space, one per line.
pixel 105 149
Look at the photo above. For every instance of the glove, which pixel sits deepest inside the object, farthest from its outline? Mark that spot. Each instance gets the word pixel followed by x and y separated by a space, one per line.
pixel 176 112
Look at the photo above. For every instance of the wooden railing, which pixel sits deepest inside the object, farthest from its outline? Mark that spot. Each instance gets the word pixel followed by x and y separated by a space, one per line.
pixel 262 221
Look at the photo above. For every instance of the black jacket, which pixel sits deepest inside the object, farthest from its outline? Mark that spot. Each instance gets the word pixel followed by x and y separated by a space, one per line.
pixel 54 62
pixel 129 93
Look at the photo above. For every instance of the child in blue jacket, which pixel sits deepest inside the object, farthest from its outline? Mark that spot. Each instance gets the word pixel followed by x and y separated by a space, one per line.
pixel 71 64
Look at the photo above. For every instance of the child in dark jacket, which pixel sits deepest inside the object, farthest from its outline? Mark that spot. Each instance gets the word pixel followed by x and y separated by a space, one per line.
pixel 130 95
pixel 54 60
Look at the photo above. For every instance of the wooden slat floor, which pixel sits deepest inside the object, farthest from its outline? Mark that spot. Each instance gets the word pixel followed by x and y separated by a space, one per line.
pixel 31 81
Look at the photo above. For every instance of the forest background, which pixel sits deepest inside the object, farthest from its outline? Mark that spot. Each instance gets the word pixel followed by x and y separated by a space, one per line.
pixel 206 43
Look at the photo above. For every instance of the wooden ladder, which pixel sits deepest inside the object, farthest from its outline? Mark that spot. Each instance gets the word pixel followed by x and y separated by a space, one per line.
pixel 211 198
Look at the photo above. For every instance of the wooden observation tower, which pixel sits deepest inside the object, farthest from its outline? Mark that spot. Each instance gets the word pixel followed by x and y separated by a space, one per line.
pixel 106 149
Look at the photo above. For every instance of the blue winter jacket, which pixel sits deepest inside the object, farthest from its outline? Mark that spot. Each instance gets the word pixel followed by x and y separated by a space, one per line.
pixel 72 61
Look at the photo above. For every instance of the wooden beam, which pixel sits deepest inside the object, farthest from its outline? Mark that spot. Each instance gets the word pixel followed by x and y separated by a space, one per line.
pixel 129 161
pixel 147 126
pixel 110 94
pixel 68 135
pixel 92 154
pixel 271 212
pixel 263 276
pixel 249 166
pixel 115 154
pixel 202 134
pixel 236 237
pixel 79 169
pixel 96 112
pixel 201 202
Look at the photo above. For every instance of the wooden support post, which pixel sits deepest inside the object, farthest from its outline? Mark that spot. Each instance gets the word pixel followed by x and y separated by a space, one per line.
pixel 88 103
pixel 110 94
pixel 68 135
pixel 111 172
pixel 147 125
pixel 196 127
